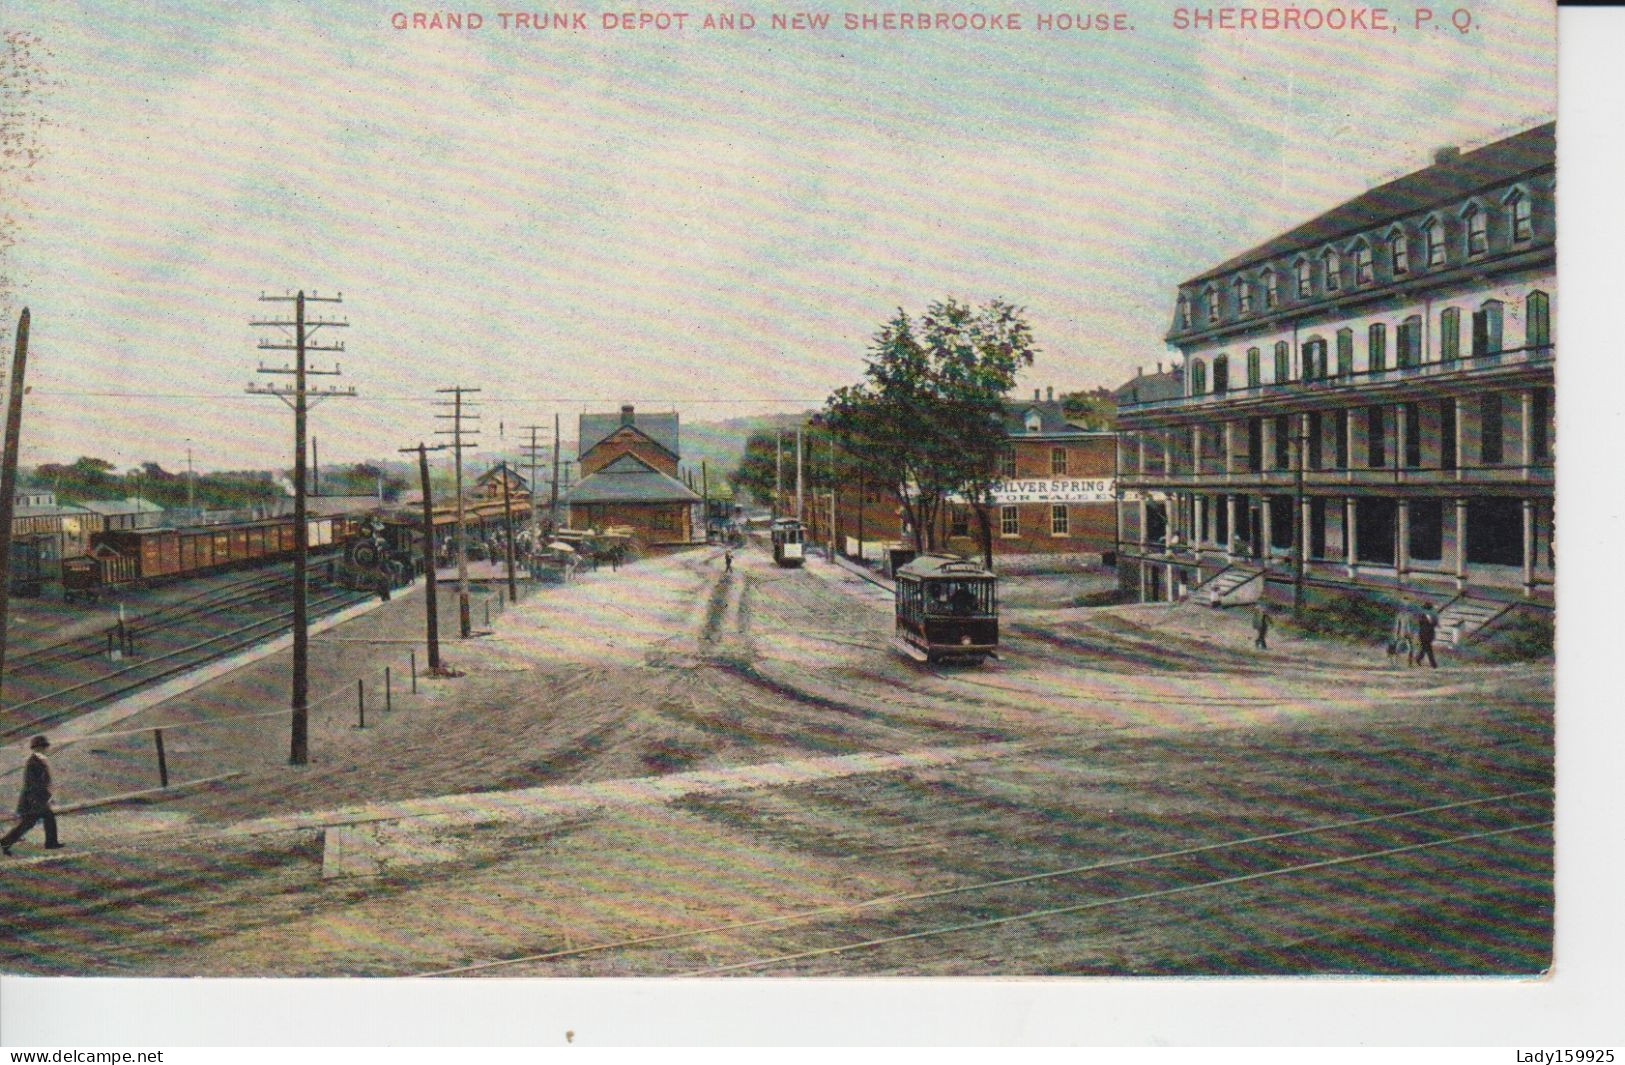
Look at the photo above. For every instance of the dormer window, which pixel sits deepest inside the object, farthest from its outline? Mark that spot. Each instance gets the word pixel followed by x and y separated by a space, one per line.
pixel 1035 422
pixel 1212 305
pixel 1363 272
pixel 1272 290
pixel 1305 283
pixel 1333 265
pixel 1184 313
pixel 1478 230
pixel 1399 253
pixel 1244 295
pixel 1523 222
pixel 1434 233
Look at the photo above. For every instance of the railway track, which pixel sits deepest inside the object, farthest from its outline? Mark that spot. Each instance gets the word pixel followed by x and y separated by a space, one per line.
pixel 889 934
pixel 56 683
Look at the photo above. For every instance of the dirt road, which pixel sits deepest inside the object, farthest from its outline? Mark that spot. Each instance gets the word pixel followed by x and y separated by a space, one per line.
pixel 677 770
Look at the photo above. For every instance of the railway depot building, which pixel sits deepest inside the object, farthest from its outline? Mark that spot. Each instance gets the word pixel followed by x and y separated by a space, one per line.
pixel 1372 389
pixel 629 465
pixel 1055 504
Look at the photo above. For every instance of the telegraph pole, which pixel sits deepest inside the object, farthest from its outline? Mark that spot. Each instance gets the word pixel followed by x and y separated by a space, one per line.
pixel 300 398
pixel 315 468
pixel 553 501
pixel 799 515
pixel 8 473
pixel 705 502
pixel 1300 534
pixel 507 522
pixel 533 452
pixel 778 471
pixel 465 621
pixel 430 599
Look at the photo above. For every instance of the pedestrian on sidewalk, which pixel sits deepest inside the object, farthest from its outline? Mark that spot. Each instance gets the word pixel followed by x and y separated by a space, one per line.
pixel 1427 627
pixel 728 561
pixel 1404 635
pixel 1261 626
pixel 34 805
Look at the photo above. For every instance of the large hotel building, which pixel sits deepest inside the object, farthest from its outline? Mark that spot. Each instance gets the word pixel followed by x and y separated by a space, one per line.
pixel 1372 389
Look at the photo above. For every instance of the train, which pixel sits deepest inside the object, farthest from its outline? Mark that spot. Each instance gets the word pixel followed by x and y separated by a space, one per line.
pixel 128 558
pixel 947 607
pixel 789 547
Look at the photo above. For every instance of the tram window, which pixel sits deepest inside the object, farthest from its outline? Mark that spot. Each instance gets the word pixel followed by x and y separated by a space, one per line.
pixel 959 598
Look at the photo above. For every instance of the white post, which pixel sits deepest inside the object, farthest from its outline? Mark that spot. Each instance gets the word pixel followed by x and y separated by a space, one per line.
pixel 1402 550
pixel 1461 545
pixel 1350 536
pixel 1529 547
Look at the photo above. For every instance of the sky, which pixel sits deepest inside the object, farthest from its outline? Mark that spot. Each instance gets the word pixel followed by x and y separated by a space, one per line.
pixel 709 221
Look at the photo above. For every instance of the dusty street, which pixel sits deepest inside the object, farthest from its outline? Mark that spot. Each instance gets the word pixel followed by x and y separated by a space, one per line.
pixel 673 770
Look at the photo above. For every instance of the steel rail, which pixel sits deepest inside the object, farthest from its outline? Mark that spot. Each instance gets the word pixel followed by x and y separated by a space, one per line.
pixel 1033 915
pixel 892 900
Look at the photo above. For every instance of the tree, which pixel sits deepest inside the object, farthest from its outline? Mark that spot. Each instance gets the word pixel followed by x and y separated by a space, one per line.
pixel 756 474
pixel 928 419
pixel 1095 409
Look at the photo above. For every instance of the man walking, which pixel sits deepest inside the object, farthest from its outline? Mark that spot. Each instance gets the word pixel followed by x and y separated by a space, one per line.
pixel 1261 626
pixel 34 805
pixel 1427 626
pixel 728 561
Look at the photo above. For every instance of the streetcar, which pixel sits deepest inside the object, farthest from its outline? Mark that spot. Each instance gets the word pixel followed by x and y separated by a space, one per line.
pixel 947 607
pixel 789 548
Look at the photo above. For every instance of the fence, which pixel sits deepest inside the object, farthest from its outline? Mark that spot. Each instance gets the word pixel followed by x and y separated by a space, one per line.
pixel 176 755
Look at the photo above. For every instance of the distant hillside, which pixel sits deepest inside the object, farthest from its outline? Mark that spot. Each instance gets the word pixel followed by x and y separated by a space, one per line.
pixel 721 444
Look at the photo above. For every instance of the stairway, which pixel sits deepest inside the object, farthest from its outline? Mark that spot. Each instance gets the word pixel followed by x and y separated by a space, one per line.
pixel 1231 585
pixel 1464 616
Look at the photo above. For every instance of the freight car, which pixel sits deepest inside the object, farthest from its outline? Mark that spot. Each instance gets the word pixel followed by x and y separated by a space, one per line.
pixel 122 558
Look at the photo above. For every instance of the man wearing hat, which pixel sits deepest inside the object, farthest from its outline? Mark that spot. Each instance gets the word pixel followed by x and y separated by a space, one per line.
pixel 34 805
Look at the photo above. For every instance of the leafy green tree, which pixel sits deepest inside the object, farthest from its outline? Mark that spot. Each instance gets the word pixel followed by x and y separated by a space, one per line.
pixel 1095 409
pixel 927 420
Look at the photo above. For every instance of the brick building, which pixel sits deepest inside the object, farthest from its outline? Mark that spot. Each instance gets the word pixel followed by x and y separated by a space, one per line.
pixel 629 468
pixel 1371 392
pixel 1055 503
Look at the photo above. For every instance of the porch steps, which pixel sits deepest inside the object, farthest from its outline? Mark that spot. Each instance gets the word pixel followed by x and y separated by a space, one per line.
pixel 1464 615
pixel 1224 585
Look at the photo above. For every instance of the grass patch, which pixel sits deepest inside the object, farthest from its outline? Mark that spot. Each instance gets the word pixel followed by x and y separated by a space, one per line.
pixel 1349 617
pixel 1524 637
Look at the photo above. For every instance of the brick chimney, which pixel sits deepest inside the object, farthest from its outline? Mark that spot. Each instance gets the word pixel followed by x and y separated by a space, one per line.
pixel 1050 393
pixel 1037 395
pixel 627 417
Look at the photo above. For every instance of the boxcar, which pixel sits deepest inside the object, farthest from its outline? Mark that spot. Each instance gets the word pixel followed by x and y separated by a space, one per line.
pixel 947 607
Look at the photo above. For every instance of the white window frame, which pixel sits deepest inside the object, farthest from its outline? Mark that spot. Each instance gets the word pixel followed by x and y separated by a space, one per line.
pixel 1433 234
pixel 1244 295
pixel 1212 297
pixel 1332 263
pixel 1060 520
pixel 1365 270
pixel 1007 462
pixel 1520 216
pixel 1305 277
pixel 1272 290
pixel 1057 457
pixel 1399 252
pixel 1476 222
pixel 1009 521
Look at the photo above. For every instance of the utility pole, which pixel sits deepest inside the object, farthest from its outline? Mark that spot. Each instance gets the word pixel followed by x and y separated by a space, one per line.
pixel 532 454
pixel 832 497
pixel 300 398
pixel 553 502
pixel 315 468
pixel 778 471
pixel 705 502
pixel 191 481
pixel 507 522
pixel 465 620
pixel 430 598
pixel 8 474
pixel 799 515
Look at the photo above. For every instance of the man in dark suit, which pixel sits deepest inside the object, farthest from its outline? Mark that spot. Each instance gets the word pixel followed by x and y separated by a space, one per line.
pixel 34 805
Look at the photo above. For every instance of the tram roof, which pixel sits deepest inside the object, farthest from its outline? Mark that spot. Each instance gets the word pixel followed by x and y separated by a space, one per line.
pixel 942 566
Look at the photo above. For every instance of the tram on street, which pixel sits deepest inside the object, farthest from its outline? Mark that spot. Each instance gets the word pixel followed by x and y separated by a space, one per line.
pixel 947 607
pixel 789 548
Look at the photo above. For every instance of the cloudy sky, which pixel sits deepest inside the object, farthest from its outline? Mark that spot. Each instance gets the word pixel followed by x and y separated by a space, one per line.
pixel 708 221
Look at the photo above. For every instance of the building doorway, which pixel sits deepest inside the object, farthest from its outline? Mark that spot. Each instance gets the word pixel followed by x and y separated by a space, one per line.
pixel 1495 532
pixel 1375 525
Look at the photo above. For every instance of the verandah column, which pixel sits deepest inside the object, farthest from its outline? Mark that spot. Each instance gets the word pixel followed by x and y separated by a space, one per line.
pixel 1528 547
pixel 1461 545
pixel 1230 522
pixel 1350 535
pixel 1402 546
